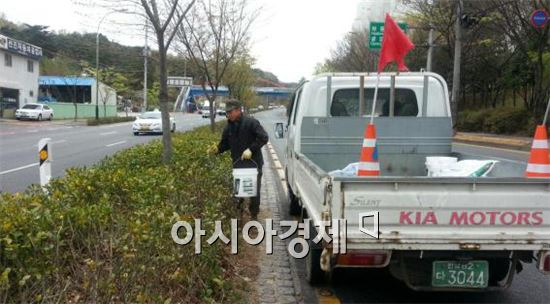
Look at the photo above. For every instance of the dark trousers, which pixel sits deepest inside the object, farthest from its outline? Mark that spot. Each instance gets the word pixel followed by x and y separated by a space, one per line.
pixel 254 206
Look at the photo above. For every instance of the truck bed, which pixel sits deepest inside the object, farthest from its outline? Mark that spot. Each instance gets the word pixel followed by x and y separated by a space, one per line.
pixel 501 212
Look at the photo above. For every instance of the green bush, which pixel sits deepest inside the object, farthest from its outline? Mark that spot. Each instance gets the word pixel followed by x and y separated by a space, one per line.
pixel 108 120
pixel 103 233
pixel 505 120
pixel 471 121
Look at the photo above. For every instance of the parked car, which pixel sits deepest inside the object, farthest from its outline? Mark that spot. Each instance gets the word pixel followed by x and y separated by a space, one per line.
pixel 221 112
pixel 34 111
pixel 205 113
pixel 151 122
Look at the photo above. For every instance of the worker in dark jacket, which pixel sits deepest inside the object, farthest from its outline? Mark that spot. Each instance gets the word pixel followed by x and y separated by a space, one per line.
pixel 244 136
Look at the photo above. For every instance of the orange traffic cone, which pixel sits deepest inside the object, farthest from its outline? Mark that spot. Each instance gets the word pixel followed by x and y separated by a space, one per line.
pixel 369 165
pixel 539 161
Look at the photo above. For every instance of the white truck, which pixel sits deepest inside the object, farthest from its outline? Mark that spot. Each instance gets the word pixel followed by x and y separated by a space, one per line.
pixel 435 233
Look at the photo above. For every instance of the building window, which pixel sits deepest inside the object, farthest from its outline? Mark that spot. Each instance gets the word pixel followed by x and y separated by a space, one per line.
pixel 31 93
pixel 30 66
pixel 7 60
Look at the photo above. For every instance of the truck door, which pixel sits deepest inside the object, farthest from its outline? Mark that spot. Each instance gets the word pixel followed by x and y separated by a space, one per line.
pixel 292 133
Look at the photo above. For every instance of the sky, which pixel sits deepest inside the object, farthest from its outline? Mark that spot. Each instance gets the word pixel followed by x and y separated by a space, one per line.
pixel 289 38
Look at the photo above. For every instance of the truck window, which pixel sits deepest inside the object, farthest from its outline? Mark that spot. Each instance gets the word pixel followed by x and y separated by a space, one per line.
pixel 346 102
pixel 296 105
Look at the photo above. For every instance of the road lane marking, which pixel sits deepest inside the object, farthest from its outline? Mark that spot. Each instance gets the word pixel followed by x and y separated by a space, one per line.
pixel 108 133
pixel 54 142
pixel 18 169
pixel 117 143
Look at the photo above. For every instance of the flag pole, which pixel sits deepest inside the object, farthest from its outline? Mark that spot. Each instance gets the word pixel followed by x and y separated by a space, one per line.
pixel 375 97
pixel 546 114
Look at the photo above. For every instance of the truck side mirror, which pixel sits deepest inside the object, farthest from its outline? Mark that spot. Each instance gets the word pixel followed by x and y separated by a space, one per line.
pixel 279 130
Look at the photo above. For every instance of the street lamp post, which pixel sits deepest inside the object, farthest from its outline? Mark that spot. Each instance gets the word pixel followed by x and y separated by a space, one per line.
pixel 97 61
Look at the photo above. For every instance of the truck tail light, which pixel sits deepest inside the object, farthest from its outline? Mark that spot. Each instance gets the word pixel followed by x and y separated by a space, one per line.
pixel 375 258
pixel 544 262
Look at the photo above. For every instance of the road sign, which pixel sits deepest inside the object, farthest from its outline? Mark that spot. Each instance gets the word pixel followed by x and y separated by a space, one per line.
pixel 539 18
pixel 376 30
pixel 180 81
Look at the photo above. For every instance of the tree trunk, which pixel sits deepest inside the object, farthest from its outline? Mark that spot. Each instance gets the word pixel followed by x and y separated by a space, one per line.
pixel 514 96
pixel 164 105
pixel 212 114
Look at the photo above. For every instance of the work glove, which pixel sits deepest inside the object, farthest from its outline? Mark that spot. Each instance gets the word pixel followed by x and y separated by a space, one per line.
pixel 247 154
pixel 213 149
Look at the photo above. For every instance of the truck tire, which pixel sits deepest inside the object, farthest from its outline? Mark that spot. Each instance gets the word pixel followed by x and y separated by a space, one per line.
pixel 295 208
pixel 314 274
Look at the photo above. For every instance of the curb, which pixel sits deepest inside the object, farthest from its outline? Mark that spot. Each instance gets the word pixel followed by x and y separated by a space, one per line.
pixel 523 144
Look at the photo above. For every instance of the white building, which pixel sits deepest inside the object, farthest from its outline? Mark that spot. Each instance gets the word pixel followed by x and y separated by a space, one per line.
pixel 19 70
pixel 373 11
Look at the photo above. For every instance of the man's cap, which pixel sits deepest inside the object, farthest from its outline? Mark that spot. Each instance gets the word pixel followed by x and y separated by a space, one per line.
pixel 232 104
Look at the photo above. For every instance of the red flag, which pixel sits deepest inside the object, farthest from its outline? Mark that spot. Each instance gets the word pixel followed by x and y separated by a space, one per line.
pixel 395 45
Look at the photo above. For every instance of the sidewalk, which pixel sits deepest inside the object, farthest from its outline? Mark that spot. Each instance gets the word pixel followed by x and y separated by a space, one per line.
pixel 278 280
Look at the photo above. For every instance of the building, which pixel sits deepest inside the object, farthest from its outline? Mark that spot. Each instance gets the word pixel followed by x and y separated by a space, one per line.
pixel 19 70
pixel 63 92
pixel 373 11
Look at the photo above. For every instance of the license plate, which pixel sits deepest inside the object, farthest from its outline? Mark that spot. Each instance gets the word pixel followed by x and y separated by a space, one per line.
pixel 460 274
pixel 144 129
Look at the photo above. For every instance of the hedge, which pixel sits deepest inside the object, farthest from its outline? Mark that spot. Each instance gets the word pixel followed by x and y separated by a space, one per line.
pixel 505 120
pixel 103 233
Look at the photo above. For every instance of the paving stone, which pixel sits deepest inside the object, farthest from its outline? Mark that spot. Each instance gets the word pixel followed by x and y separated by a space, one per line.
pixel 276 280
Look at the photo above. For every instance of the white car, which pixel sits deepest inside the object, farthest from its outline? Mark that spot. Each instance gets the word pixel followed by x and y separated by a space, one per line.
pixel 151 122
pixel 35 111
pixel 205 113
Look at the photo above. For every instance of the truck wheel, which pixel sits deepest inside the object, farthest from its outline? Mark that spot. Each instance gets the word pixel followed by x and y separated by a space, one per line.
pixel 314 274
pixel 295 208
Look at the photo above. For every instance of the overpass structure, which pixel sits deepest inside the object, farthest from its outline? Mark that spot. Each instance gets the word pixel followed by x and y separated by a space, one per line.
pixel 188 95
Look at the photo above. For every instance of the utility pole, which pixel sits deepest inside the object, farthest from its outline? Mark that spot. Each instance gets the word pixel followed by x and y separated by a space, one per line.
pixel 145 55
pixel 430 50
pixel 458 54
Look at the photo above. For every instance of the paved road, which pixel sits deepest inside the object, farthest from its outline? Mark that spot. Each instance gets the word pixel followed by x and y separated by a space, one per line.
pixel 72 145
pixel 361 286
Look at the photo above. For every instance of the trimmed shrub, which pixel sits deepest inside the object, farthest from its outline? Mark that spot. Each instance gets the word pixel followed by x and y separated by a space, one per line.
pixel 471 121
pixel 103 233
pixel 505 120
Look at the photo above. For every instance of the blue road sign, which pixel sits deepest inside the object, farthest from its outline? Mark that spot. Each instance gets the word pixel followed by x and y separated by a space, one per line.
pixel 539 18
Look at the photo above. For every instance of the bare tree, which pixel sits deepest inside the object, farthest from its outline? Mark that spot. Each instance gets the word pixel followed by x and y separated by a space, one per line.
pixel 213 34
pixel 105 94
pixel 165 19
pixel 350 55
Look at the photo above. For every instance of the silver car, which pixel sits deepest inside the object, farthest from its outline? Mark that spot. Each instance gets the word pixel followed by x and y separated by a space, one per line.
pixel 151 122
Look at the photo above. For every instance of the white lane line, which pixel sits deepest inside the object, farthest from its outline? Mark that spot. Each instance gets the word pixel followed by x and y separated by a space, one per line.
pixel 18 169
pixel 117 143
pixel 108 133
pixel 32 131
pixel 53 142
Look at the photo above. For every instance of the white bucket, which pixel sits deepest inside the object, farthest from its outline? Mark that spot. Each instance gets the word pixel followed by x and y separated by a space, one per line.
pixel 436 164
pixel 245 182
